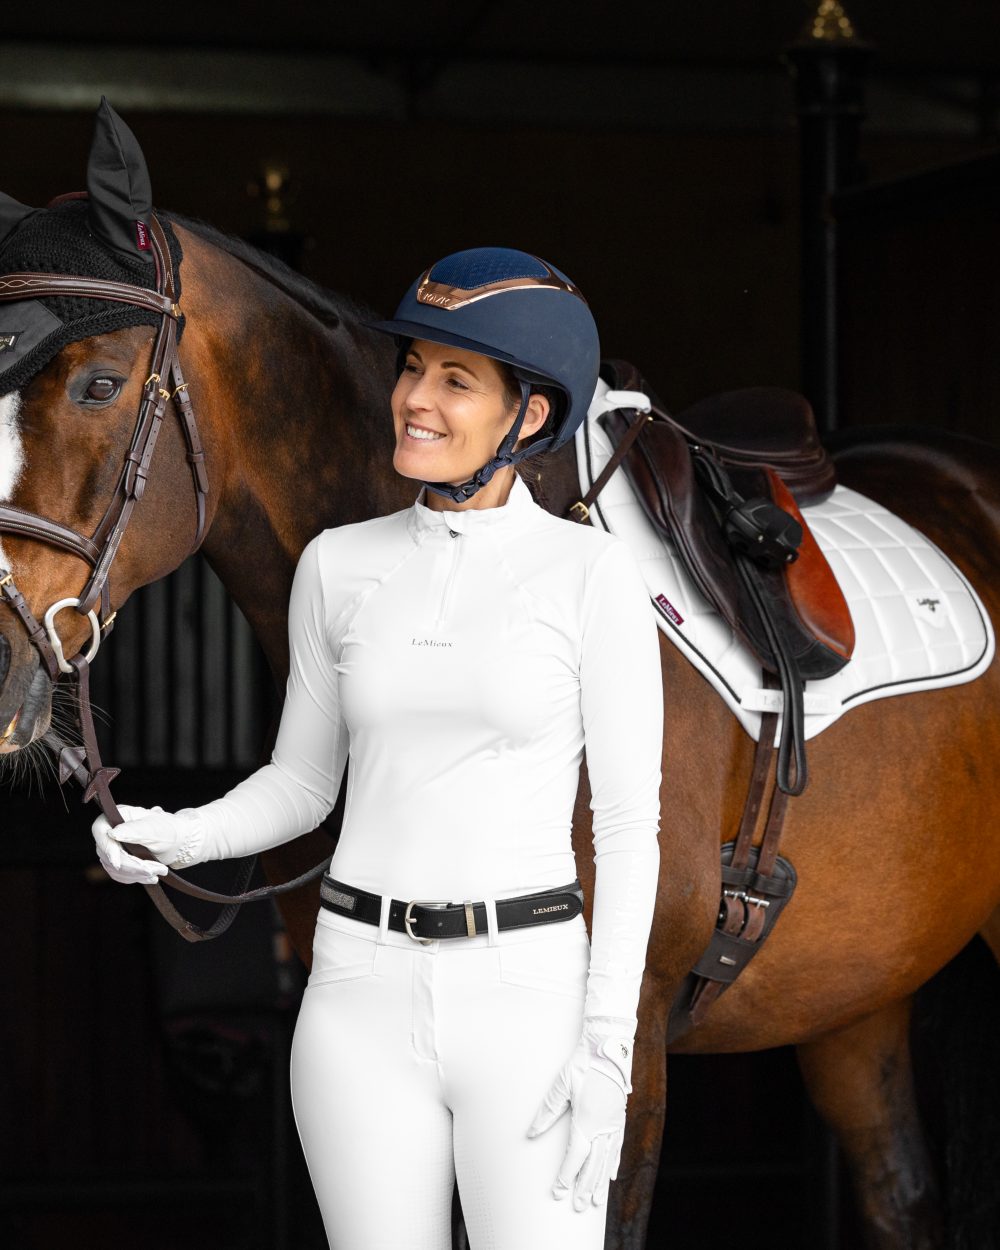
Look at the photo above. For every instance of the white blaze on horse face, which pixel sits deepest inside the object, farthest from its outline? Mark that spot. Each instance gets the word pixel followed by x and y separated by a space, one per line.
pixel 11 453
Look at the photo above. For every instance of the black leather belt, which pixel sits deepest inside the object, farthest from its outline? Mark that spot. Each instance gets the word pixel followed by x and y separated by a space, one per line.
pixel 424 921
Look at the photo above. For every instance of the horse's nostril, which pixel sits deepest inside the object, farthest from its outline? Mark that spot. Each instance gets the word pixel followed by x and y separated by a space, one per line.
pixel 4 659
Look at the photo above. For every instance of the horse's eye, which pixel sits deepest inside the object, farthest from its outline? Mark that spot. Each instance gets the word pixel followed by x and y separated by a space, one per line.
pixel 101 390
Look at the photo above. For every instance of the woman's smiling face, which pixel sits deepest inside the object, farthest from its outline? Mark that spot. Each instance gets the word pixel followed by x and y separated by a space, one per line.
pixel 451 411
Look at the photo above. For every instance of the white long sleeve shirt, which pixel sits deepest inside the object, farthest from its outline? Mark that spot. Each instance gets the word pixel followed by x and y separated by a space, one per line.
pixel 463 659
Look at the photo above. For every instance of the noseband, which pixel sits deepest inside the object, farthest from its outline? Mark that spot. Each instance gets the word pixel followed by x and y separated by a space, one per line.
pixel 83 762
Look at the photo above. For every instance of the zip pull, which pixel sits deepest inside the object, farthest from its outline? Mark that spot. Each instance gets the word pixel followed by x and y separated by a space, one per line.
pixel 453 533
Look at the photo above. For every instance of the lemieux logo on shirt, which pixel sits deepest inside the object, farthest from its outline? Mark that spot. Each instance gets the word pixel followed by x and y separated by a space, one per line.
pixel 429 642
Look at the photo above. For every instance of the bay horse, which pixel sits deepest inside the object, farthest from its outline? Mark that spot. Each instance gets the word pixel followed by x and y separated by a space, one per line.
pixel 894 841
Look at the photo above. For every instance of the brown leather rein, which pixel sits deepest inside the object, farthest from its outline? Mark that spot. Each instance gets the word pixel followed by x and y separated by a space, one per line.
pixel 83 762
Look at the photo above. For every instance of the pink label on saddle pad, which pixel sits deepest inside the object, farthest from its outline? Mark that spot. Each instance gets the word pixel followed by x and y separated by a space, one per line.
pixel 669 611
pixel 141 236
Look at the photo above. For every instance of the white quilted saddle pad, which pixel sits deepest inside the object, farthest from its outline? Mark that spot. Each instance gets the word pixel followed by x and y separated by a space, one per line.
pixel 919 624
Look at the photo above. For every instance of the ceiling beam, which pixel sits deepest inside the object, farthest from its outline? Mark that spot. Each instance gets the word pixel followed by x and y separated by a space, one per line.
pixel 644 94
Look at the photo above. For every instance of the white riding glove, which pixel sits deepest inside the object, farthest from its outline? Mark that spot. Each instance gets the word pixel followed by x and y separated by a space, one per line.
pixel 594 1085
pixel 174 838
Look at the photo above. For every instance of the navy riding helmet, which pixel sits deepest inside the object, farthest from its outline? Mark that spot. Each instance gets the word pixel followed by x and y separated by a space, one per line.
pixel 515 308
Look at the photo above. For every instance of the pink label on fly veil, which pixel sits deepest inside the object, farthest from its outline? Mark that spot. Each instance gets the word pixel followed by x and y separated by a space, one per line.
pixel 669 611
pixel 142 236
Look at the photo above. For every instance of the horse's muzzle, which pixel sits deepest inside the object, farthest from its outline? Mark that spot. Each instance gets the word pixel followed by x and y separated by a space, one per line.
pixel 25 707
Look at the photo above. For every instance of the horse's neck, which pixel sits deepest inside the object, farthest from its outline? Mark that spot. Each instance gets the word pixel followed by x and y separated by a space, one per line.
pixel 296 418
pixel 295 415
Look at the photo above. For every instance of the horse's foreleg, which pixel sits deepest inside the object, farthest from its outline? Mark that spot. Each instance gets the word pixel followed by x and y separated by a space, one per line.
pixel 631 1196
pixel 861 1081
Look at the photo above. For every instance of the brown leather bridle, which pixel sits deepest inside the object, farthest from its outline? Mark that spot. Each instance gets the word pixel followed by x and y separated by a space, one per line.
pixel 83 762
pixel 100 549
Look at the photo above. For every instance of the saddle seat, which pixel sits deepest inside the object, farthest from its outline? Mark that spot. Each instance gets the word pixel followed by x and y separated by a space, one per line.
pixel 766 425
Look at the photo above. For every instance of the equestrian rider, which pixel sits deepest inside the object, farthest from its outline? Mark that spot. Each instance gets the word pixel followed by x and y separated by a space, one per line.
pixel 462 653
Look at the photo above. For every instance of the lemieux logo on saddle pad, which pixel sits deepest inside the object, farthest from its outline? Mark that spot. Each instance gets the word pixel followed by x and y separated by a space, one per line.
pixel 8 340
pixel 668 610
pixel 930 607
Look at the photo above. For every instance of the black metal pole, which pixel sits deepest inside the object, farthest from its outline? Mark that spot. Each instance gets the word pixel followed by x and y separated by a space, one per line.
pixel 829 65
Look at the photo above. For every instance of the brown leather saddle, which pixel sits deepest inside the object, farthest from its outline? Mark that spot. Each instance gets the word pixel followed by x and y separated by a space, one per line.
pixel 724 482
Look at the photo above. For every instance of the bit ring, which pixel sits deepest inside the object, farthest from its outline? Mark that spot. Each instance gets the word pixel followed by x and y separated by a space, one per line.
pixel 55 640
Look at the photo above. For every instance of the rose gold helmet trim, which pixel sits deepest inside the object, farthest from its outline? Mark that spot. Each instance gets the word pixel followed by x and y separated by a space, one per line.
pixel 441 295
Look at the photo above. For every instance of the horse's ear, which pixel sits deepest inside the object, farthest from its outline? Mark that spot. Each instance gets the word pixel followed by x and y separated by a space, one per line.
pixel 11 215
pixel 121 201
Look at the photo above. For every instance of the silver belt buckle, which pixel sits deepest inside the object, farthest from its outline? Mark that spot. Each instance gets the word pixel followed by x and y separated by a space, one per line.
pixel 408 919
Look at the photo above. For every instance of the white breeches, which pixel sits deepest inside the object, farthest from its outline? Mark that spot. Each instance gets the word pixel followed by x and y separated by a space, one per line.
pixel 414 1066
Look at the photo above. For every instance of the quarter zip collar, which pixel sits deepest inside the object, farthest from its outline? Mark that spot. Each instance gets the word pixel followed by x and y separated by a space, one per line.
pixel 519 510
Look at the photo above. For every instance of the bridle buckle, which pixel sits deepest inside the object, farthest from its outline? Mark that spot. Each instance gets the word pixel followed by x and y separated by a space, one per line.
pixel 409 921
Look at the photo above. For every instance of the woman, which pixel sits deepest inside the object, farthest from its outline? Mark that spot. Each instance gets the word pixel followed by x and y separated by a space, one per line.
pixel 462 652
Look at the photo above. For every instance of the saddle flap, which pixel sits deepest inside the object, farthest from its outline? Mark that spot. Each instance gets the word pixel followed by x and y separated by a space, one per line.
pixel 661 471
pixel 812 586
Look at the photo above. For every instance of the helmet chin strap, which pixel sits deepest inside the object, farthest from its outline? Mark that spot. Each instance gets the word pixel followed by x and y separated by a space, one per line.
pixel 505 455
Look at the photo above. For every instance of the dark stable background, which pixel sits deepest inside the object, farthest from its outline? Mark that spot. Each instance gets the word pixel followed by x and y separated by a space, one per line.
pixel 144 1097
